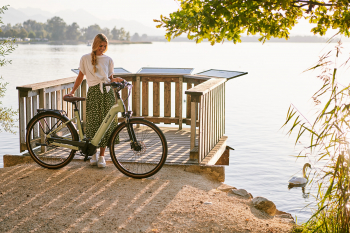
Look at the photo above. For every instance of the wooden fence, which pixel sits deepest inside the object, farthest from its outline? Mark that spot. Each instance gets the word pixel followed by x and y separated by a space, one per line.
pixel 204 105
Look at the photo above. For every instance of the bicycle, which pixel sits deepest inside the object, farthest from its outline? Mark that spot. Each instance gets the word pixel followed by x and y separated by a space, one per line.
pixel 138 148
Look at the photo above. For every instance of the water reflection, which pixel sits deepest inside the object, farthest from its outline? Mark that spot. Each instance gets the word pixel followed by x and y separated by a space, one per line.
pixel 305 195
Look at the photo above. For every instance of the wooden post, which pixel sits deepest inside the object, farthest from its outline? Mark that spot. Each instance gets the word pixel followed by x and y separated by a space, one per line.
pixel 83 109
pixel 156 100
pixel 188 101
pixel 42 104
pixel 144 98
pixel 22 128
pixel 167 99
pixel 178 101
pixel 35 111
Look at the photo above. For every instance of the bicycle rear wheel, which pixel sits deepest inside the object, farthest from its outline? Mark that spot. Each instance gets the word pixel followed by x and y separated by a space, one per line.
pixel 145 161
pixel 40 149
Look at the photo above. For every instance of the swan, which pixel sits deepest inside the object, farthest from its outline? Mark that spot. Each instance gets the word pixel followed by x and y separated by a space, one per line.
pixel 300 180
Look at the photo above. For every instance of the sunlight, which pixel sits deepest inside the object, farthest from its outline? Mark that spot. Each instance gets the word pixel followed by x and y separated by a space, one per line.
pixel 144 204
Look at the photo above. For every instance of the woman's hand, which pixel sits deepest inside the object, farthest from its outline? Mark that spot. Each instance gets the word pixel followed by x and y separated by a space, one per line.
pixel 117 80
pixel 69 95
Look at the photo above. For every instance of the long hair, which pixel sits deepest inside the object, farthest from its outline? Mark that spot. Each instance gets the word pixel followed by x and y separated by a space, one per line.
pixel 99 38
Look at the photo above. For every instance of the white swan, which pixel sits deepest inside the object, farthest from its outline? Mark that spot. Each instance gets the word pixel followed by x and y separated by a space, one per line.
pixel 300 180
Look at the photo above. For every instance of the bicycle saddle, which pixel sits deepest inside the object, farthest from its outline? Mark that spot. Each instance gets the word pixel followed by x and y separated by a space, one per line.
pixel 73 99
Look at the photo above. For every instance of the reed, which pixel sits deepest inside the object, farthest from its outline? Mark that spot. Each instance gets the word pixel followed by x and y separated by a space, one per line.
pixel 329 144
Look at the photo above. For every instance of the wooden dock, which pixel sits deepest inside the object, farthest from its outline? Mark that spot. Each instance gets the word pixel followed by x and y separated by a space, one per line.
pixel 201 97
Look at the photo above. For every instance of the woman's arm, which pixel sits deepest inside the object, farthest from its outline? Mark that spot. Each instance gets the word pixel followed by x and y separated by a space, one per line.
pixel 77 83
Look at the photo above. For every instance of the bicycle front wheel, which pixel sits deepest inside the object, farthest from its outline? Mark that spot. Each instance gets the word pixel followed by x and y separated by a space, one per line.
pixel 144 160
pixel 41 149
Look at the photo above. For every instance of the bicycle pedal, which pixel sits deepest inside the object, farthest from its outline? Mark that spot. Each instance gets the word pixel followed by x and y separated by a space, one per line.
pixel 40 144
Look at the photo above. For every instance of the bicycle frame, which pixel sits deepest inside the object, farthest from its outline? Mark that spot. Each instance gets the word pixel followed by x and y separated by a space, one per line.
pixel 118 107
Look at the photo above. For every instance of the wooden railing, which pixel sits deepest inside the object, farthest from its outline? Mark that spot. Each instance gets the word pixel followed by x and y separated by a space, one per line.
pixel 207 102
pixel 46 95
pixel 204 110
pixel 141 96
pixel 49 95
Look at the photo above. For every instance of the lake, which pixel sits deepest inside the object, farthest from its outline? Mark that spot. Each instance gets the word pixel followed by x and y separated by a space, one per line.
pixel 256 104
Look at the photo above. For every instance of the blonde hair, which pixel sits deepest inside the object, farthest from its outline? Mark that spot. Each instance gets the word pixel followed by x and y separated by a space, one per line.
pixel 99 38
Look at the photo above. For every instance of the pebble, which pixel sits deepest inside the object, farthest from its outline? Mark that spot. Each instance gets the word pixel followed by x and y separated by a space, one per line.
pixel 207 203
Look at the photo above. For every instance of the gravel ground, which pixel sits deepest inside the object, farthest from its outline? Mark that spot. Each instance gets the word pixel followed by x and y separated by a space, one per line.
pixel 82 198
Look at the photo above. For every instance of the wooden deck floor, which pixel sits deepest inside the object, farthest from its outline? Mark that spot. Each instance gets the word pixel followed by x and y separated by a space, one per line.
pixel 178 146
pixel 178 149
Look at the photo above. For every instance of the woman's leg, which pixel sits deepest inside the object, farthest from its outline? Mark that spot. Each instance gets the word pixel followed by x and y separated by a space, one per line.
pixel 102 151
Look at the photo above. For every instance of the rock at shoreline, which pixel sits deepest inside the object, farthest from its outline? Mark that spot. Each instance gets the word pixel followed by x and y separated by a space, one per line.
pixel 265 205
pixel 242 193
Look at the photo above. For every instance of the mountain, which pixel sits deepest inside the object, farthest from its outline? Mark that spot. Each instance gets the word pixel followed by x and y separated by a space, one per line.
pixel 80 16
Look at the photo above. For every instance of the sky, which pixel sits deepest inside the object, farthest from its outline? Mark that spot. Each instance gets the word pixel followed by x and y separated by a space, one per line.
pixel 143 11
pixel 140 10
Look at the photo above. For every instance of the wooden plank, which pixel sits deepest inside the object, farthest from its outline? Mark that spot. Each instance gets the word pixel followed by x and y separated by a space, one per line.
pixel 137 96
pixel 216 152
pixel 83 104
pixel 64 103
pixel 193 125
pixel 144 98
pixel 28 110
pixel 69 106
pixel 188 101
pixel 201 126
pixel 59 99
pixel 77 93
pixel 53 106
pixel 178 100
pixel 223 117
pixel 42 104
pixel 156 99
pixel 205 87
pixel 35 111
pixel 28 93
pixel 46 84
pixel 167 99
pixel 166 120
pixel 159 79
pixel 21 120
pixel 59 87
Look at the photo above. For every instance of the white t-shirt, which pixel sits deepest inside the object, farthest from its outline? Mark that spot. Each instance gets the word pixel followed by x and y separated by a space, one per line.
pixel 104 69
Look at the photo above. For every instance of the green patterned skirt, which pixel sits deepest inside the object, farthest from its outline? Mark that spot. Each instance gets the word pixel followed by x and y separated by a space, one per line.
pixel 97 107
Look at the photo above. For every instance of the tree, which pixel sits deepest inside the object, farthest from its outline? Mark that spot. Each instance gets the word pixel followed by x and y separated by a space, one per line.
pixel 127 36
pixel 115 34
pixel 144 37
pixel 31 34
pixel 23 33
pixel 6 114
pixel 217 20
pixel 72 32
pixel 11 33
pixel 56 26
pixel 135 37
pixel 92 31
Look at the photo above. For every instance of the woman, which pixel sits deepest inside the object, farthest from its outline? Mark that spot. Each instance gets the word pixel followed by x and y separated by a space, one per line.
pixel 98 69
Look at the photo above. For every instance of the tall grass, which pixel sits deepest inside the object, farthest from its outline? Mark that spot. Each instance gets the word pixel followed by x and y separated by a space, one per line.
pixel 329 143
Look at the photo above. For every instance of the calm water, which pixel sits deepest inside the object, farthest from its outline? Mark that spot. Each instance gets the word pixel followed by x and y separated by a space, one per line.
pixel 256 104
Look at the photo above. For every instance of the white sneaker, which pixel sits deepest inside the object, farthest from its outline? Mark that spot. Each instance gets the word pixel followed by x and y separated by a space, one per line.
pixel 94 159
pixel 101 162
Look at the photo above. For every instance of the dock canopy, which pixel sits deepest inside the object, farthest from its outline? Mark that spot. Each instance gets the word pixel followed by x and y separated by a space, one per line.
pixel 157 70
pixel 222 73
pixel 117 70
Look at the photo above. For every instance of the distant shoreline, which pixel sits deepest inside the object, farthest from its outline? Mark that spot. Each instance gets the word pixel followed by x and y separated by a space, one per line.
pixel 79 42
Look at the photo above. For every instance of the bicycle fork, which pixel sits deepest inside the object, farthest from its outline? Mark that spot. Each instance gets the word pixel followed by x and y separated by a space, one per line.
pixel 133 144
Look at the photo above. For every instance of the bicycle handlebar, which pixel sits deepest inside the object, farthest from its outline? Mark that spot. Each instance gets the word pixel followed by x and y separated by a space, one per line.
pixel 120 86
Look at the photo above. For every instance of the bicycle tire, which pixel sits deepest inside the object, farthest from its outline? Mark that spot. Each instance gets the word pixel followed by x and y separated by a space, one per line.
pixel 138 164
pixel 44 153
